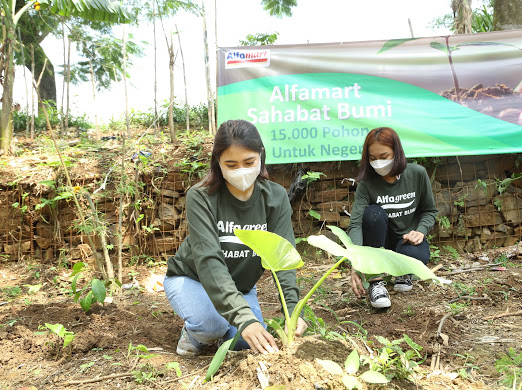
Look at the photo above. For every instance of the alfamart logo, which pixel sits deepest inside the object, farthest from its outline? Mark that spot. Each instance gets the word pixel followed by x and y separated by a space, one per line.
pixel 247 59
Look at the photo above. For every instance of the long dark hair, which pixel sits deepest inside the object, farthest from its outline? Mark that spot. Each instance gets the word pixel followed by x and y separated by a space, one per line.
pixel 386 136
pixel 233 132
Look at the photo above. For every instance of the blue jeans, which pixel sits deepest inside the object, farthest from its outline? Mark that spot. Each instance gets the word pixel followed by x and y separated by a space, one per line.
pixel 204 325
pixel 376 234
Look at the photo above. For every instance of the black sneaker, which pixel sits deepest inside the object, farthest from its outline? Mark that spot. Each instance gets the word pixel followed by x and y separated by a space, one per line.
pixel 379 297
pixel 403 283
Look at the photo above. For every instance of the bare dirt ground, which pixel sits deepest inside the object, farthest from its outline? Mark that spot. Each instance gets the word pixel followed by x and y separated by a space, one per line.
pixel 103 354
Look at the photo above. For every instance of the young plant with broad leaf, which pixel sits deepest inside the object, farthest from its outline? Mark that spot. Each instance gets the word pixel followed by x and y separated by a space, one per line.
pixel 348 375
pixel 277 254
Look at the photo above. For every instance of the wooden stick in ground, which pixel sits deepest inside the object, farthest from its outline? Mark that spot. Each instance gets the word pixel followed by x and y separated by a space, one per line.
pixel 184 82
pixel 69 183
pixel 442 323
pixel 515 313
pixel 106 377
pixel 120 214
pixel 469 297
pixel 101 232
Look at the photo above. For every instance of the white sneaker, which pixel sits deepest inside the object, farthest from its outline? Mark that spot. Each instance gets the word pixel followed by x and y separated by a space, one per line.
pixel 185 346
pixel 379 297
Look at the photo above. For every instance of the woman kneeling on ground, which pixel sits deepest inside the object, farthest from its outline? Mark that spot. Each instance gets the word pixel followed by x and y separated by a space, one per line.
pixel 211 281
pixel 393 208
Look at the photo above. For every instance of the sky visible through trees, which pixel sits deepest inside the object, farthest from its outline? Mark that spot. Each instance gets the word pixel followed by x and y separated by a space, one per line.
pixel 312 22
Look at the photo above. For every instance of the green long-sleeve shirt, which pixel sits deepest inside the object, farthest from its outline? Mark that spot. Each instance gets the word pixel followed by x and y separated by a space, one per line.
pixel 214 256
pixel 408 202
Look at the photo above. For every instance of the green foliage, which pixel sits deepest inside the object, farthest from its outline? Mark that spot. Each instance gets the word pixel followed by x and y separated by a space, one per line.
pixel 11 292
pixel 105 54
pixel 393 361
pixel 460 201
pixel 94 290
pixel 510 366
pixel 452 251
pixel 60 331
pixel 310 177
pixel 502 185
pixel 220 355
pixel 348 375
pixel 104 10
pixel 444 222
pixel 174 366
pixel 198 116
pixel 279 8
pixel 314 214
pixel 278 254
pixel 22 118
pixel 457 307
pixel 481 19
pixel 259 39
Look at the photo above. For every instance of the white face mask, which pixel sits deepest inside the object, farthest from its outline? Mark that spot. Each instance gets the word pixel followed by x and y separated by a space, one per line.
pixel 382 167
pixel 241 178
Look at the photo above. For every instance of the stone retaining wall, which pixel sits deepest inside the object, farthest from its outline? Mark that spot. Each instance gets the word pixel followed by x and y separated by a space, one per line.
pixel 475 210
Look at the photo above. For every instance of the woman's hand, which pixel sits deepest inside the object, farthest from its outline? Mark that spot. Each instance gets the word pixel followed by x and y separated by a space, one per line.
pixel 357 286
pixel 259 339
pixel 414 237
pixel 301 327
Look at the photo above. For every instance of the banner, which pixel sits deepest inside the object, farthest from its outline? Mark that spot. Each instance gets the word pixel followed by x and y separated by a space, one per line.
pixel 445 96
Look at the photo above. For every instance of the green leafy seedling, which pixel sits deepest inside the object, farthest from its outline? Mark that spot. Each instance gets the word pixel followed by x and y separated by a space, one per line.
pixel 60 331
pixel 348 375
pixel 278 254
pixel 220 355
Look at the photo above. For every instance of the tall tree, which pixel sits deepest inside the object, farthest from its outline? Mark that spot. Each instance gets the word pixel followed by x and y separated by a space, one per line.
pixel 279 8
pixel 507 14
pixel 462 15
pixel 10 16
pixel 36 26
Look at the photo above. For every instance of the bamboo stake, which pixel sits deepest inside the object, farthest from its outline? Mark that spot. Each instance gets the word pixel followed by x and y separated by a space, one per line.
pixel 125 85
pixel 155 68
pixel 98 135
pixel 171 74
pixel 68 84
pixel 69 183
pixel 27 120
pixel 120 216
pixel 62 124
pixel 207 74
pixel 184 82
pixel 32 92
pixel 108 263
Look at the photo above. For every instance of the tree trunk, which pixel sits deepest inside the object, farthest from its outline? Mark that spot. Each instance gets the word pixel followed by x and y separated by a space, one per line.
pixel 62 119
pixel 27 120
pixel 68 85
pixel 33 82
pixel 6 123
pixel 462 14
pixel 98 135
pixel 507 15
pixel 156 121
pixel 171 100
pixel 47 89
pixel 210 104
pixel 187 120
pixel 127 122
